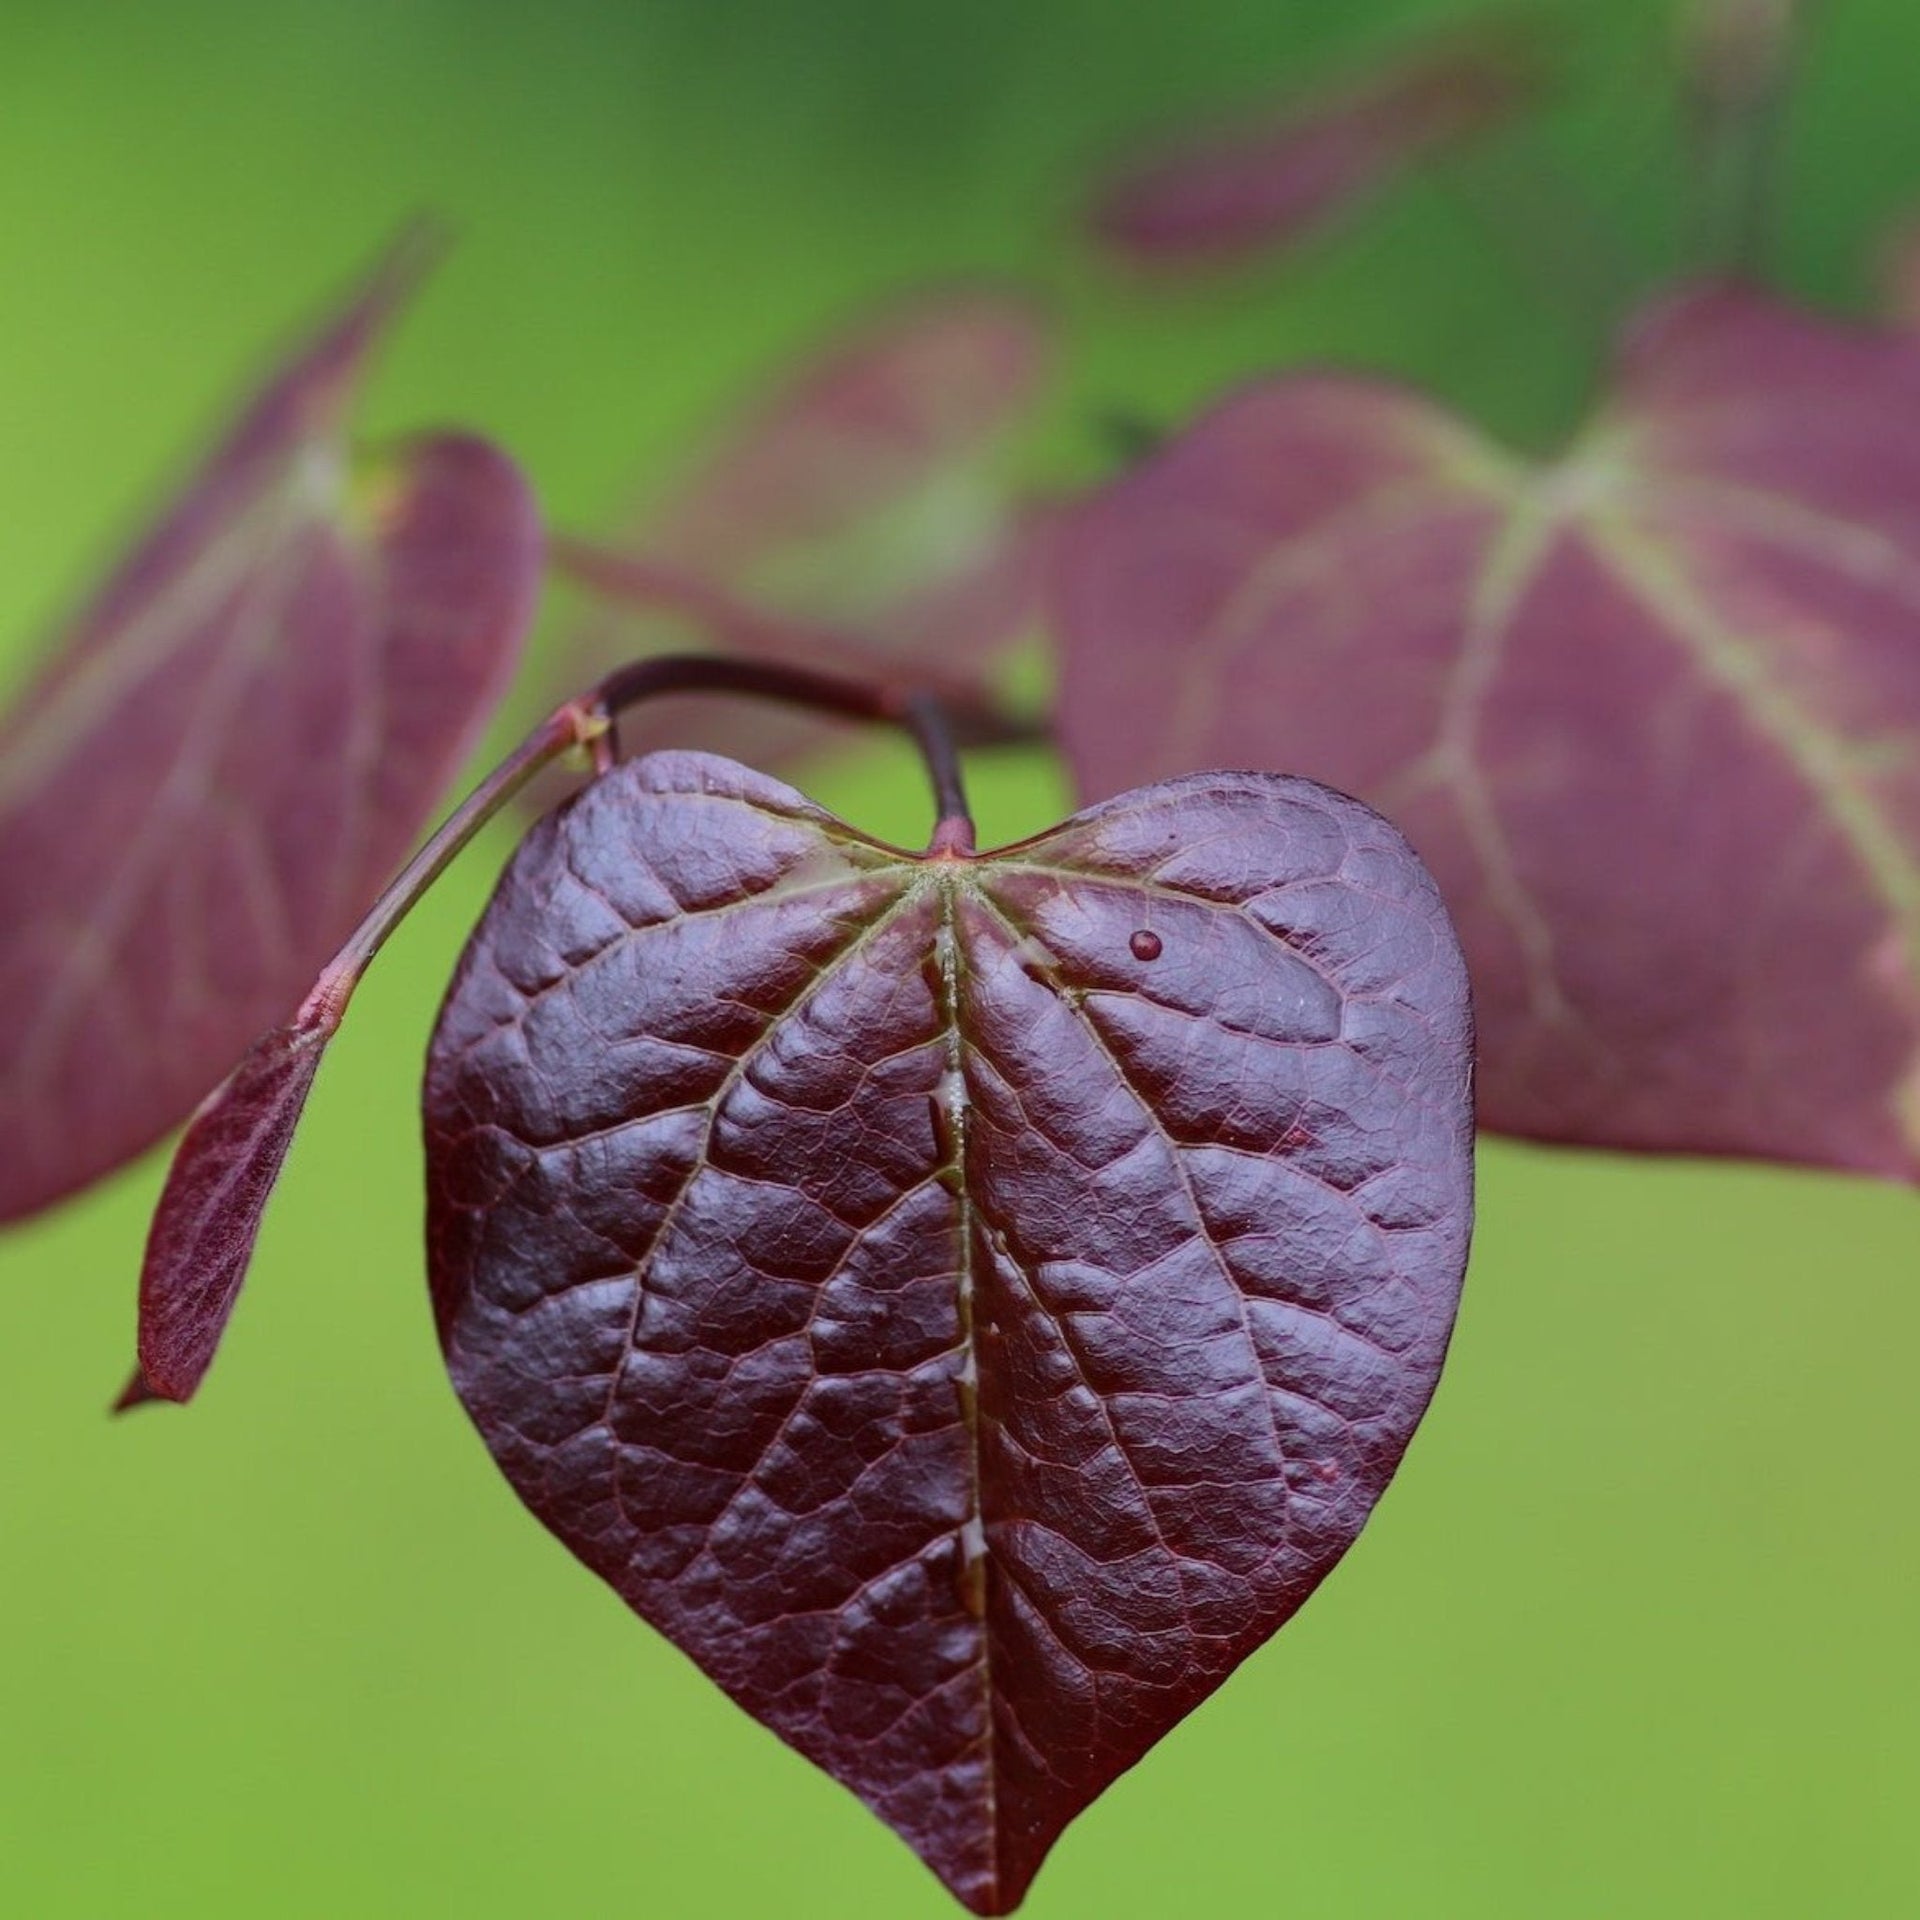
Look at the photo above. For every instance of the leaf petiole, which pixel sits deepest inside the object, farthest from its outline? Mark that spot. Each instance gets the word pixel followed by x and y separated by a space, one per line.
pixel 922 716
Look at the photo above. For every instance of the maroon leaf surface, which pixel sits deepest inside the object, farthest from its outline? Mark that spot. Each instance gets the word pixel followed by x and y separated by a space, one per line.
pixel 209 1215
pixel 1267 183
pixel 967 1303
pixel 863 502
pixel 1649 711
pixel 231 751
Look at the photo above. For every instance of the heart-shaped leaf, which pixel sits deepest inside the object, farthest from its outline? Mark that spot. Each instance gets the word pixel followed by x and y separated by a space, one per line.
pixel 231 751
pixel 1253 189
pixel 967 1302
pixel 858 517
pixel 1650 711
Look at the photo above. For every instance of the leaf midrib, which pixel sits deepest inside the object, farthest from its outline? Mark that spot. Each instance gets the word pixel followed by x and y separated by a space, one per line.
pixel 1598 487
pixel 973 1532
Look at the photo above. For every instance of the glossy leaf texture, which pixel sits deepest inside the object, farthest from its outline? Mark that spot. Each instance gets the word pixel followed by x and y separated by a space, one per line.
pixel 860 516
pixel 967 1303
pixel 1650 711
pixel 1255 188
pixel 231 750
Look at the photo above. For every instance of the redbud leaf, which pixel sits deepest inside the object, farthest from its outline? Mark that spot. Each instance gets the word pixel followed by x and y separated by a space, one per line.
pixel 209 1214
pixel 1257 187
pixel 966 1302
pixel 232 749
pixel 863 505
pixel 1650 710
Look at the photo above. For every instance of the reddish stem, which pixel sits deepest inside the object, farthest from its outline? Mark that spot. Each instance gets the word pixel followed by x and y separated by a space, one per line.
pixel 589 722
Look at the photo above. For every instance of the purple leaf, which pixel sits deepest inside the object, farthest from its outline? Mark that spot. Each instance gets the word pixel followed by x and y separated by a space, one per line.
pixel 862 501
pixel 231 751
pixel 1650 711
pixel 209 1216
pixel 967 1303
pixel 1253 189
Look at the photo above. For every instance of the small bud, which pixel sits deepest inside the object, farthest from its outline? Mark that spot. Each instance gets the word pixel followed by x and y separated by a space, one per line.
pixel 1736 52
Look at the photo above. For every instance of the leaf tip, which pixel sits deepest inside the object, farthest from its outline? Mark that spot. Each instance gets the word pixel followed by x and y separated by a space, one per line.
pixel 136 1393
pixel 331 370
pixel 422 241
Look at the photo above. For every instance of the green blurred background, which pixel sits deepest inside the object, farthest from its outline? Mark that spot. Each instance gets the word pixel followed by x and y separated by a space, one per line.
pixel 1633 1633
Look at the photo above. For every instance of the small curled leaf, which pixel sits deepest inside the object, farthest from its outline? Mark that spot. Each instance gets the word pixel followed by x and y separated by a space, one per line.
pixel 209 1216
